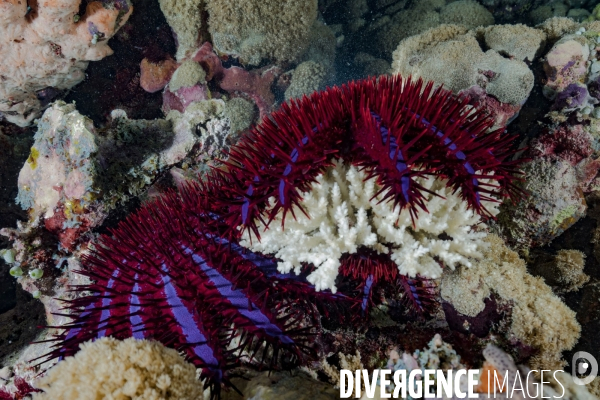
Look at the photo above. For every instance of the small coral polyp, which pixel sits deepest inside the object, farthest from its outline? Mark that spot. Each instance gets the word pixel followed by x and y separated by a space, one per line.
pixel 346 212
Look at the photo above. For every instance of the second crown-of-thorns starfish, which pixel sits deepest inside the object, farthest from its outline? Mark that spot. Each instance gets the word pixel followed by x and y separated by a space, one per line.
pixel 175 270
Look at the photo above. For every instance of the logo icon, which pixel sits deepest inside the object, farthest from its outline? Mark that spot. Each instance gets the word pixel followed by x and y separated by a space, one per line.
pixel 583 364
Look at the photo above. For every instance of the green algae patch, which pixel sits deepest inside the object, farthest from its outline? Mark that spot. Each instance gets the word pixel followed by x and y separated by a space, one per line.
pixel 33 156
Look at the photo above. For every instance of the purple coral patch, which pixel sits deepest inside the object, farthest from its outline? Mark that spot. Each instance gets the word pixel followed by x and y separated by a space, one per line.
pixel 574 96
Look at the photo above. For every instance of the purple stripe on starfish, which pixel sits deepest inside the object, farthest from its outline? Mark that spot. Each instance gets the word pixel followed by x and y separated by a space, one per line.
pixel 395 155
pixel 367 292
pixel 238 299
pixel 188 324
pixel 288 168
pixel 105 315
pixel 137 324
pixel 451 146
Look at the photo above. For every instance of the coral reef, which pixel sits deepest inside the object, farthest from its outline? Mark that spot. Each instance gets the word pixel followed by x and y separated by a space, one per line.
pixel 539 318
pixel 544 12
pixel 322 46
pixel 132 369
pixel 188 74
pixel 440 355
pixel 437 355
pixel 518 41
pixel 240 113
pixel 565 152
pixel 297 385
pixel 203 123
pixel 255 84
pixel 154 76
pixel 307 77
pixel 46 50
pixel 278 191
pixel 187 83
pixel 468 13
pixel 556 27
pixel 358 220
pixel 196 301
pixel 178 258
pixel 60 173
pixel 399 24
pixel 22 390
pixel 68 184
pixel 185 18
pixel 371 66
pixel 350 362
pixel 565 63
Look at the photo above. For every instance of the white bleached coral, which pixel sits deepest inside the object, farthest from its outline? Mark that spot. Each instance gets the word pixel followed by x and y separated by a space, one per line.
pixel 344 215
pixel 49 46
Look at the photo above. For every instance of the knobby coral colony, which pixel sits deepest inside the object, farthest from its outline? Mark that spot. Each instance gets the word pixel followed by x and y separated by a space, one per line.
pixel 175 271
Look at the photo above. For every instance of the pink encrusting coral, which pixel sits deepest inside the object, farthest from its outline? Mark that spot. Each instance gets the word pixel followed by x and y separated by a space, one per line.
pixel 568 142
pixel 256 84
pixel 22 390
pixel 154 76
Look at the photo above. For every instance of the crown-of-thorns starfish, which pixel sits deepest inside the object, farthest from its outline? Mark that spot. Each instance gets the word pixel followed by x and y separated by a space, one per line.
pixel 175 272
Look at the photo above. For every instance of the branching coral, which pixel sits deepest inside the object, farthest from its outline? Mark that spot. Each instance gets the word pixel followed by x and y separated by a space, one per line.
pixel 49 46
pixel 345 211
pixel 129 369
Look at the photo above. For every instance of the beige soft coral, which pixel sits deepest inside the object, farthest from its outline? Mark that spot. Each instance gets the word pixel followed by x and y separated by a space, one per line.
pixel 539 318
pixel 50 46
pixel 130 369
